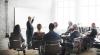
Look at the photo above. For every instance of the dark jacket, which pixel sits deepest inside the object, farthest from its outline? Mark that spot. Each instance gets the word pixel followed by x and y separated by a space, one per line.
pixel 29 30
pixel 38 35
pixel 15 36
pixel 73 35
pixel 51 36
pixel 93 33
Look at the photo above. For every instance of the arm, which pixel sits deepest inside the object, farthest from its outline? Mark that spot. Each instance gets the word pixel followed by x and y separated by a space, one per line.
pixel 32 19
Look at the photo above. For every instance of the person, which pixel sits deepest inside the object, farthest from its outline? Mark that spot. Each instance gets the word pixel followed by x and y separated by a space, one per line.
pixel 75 33
pixel 29 31
pixel 51 41
pixel 93 32
pixel 55 24
pixel 70 25
pixel 56 28
pixel 69 29
pixel 17 31
pixel 51 35
pixel 16 35
pixel 37 36
pixel 68 46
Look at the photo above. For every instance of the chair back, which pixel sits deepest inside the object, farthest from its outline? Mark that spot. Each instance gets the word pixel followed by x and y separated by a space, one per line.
pixel 15 41
pixel 52 47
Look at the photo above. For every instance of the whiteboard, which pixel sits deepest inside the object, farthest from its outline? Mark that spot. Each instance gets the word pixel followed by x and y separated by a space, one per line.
pixel 41 16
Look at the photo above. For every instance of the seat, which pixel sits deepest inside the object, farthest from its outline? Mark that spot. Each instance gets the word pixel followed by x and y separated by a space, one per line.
pixel 37 39
pixel 16 44
pixel 52 48
pixel 37 42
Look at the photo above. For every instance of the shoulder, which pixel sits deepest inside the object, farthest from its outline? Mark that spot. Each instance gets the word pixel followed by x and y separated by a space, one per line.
pixel 46 34
pixel 28 22
pixel 12 34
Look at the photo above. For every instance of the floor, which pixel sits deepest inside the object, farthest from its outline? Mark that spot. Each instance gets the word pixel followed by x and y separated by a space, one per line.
pixel 35 52
pixel 5 51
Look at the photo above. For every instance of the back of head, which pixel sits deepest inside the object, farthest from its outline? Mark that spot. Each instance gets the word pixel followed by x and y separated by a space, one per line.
pixel 70 23
pixel 55 24
pixel 17 29
pixel 29 18
pixel 93 25
pixel 51 26
pixel 39 26
pixel 75 27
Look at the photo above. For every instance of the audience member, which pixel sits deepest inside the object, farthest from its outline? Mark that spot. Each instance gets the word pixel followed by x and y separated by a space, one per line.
pixel 37 37
pixel 69 29
pixel 16 34
pixel 93 32
pixel 56 28
pixel 75 33
pixel 51 35
pixel 39 34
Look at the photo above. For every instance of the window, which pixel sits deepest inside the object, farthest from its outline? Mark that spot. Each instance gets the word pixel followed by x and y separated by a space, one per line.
pixel 81 12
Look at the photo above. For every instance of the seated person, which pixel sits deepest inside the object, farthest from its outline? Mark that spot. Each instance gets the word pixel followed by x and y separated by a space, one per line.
pixel 68 46
pixel 51 35
pixel 75 33
pixel 93 32
pixel 69 29
pixel 38 35
pixel 16 34
pixel 52 40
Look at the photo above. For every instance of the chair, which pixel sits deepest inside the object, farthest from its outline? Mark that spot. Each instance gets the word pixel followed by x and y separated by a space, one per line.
pixel 37 42
pixel 52 48
pixel 37 39
pixel 16 44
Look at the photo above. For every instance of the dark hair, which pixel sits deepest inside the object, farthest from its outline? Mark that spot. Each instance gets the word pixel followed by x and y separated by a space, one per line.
pixel 17 29
pixel 51 26
pixel 39 26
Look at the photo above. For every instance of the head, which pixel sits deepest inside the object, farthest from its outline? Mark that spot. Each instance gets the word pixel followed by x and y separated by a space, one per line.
pixel 17 29
pixel 70 23
pixel 29 18
pixel 55 24
pixel 93 25
pixel 75 27
pixel 39 26
pixel 51 26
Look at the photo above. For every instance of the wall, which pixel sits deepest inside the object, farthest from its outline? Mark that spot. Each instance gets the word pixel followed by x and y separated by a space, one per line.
pixel 3 21
pixel 2 18
pixel 34 4
pixel 7 15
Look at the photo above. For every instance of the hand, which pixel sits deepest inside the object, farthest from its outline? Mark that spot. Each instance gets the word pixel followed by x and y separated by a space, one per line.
pixel 33 19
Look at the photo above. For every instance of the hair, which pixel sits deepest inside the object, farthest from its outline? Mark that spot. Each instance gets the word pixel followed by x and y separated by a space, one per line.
pixel 29 17
pixel 51 26
pixel 55 24
pixel 39 26
pixel 17 29
pixel 93 25
pixel 75 27
pixel 70 23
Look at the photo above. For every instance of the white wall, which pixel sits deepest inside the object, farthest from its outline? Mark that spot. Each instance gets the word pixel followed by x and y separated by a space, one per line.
pixel 2 18
pixel 43 5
